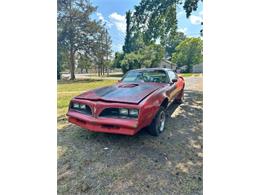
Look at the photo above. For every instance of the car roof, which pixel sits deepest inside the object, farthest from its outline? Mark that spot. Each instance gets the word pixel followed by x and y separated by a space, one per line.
pixel 151 69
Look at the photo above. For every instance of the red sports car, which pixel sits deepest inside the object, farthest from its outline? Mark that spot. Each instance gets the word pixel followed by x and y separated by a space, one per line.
pixel 138 100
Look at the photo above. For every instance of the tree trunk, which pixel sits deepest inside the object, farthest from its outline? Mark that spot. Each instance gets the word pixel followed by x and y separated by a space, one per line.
pixel 72 66
pixel 98 69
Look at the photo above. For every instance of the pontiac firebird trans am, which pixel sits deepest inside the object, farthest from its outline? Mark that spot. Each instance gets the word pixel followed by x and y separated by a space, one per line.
pixel 138 100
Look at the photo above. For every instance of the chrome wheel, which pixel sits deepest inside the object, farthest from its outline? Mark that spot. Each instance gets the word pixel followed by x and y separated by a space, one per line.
pixel 161 121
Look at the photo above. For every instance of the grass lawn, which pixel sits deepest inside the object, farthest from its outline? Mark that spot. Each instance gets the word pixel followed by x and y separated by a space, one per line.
pixel 69 89
pixel 189 74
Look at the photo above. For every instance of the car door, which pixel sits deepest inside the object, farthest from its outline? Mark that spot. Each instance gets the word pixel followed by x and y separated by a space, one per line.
pixel 173 88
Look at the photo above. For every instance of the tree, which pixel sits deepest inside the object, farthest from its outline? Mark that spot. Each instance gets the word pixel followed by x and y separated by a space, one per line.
pixel 152 21
pixel 127 45
pixel 152 55
pixel 156 20
pixel 188 52
pixel 148 57
pixel 84 63
pixel 108 52
pixel 76 31
pixel 103 51
pixel 59 61
pixel 190 6
pixel 117 60
pixel 131 61
pixel 174 42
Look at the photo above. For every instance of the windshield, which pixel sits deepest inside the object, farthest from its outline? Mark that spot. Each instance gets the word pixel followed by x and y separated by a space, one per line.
pixel 158 76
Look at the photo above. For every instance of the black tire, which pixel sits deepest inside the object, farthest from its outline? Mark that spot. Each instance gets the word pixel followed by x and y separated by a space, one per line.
pixel 155 128
pixel 180 100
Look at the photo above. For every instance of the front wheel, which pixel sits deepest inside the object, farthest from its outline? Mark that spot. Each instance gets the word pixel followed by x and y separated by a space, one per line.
pixel 158 124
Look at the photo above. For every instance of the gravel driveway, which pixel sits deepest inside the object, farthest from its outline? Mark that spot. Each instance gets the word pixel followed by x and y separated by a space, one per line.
pixel 97 163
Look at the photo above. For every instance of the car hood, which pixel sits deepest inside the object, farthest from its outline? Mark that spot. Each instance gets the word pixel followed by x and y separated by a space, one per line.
pixel 122 92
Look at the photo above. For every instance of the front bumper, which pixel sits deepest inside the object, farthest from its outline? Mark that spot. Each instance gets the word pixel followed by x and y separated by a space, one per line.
pixel 106 125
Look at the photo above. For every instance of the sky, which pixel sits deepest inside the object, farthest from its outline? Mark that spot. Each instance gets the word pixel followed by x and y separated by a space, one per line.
pixel 112 12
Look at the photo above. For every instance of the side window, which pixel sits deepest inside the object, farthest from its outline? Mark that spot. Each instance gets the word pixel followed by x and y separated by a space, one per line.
pixel 172 75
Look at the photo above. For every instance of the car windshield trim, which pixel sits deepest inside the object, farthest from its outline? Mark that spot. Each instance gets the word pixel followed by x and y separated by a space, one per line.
pixel 156 76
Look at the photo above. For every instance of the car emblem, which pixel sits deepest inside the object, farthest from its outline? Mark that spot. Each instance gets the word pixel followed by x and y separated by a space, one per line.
pixel 95 110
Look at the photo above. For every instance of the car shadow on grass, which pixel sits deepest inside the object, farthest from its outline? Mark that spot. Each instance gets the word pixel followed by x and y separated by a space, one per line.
pixel 91 162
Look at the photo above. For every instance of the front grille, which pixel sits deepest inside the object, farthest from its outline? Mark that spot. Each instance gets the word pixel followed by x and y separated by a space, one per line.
pixel 86 111
pixel 110 112
pixel 114 113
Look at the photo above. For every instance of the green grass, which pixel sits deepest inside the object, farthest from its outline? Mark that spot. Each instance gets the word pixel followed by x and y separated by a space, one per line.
pixel 70 89
pixel 189 74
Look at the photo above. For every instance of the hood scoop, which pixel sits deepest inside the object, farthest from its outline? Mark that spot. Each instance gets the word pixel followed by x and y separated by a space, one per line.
pixel 128 85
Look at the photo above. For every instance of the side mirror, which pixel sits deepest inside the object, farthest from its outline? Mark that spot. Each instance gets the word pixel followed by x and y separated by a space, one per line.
pixel 174 80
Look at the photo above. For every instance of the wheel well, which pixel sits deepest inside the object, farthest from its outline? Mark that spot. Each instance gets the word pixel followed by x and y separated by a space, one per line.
pixel 165 103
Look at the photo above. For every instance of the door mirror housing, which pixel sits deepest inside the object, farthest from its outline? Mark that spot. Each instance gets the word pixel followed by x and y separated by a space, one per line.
pixel 174 80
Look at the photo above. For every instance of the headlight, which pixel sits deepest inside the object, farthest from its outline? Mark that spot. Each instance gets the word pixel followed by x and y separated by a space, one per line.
pixel 82 106
pixel 75 105
pixel 123 111
pixel 133 112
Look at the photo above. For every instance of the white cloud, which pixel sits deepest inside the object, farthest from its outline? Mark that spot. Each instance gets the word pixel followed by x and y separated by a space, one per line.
pixel 119 21
pixel 195 19
pixel 117 16
pixel 184 30
pixel 101 17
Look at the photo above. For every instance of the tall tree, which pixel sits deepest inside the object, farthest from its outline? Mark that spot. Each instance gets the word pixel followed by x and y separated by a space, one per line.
pixel 127 45
pixel 157 20
pixel 108 51
pixel 84 63
pixel 59 60
pixel 174 42
pixel 103 50
pixel 117 60
pixel 148 57
pixel 76 28
pixel 188 52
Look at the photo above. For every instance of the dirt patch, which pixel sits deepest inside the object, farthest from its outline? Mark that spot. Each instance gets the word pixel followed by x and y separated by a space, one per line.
pixel 90 163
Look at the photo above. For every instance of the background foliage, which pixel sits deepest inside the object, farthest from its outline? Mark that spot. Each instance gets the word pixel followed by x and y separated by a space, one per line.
pixel 151 35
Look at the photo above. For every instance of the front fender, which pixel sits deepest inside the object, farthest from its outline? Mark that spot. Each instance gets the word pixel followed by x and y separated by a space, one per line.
pixel 150 106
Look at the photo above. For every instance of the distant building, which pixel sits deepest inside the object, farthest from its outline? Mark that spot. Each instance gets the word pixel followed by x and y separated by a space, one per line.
pixel 182 69
pixel 198 68
pixel 167 64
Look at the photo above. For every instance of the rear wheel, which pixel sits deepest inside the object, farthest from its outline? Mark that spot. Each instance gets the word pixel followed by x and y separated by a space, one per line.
pixel 158 124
